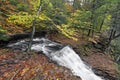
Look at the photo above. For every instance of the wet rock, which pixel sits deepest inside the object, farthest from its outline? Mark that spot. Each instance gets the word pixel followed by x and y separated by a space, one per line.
pixel 103 65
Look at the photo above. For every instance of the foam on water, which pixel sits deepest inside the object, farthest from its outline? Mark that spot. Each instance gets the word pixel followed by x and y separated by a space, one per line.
pixel 68 58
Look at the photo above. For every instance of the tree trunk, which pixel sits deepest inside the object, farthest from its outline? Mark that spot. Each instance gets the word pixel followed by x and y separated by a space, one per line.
pixel 91 31
pixel 33 28
pixel 110 38
pixel 116 36
pixel 92 18
pixel 101 25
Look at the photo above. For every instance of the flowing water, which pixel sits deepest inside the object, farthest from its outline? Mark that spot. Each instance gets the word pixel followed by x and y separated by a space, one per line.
pixel 63 55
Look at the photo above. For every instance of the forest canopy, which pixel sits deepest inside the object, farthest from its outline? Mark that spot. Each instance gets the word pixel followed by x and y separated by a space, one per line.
pixel 68 17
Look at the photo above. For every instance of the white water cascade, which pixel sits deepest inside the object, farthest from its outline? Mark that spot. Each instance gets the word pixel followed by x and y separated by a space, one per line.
pixel 64 56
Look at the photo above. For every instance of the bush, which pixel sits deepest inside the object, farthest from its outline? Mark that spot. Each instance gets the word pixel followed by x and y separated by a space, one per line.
pixel 59 19
pixel 13 2
pixel 2 34
pixel 25 20
pixel 2 30
pixel 22 7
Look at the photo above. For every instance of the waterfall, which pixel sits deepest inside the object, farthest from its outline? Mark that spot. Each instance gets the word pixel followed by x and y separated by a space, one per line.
pixel 63 55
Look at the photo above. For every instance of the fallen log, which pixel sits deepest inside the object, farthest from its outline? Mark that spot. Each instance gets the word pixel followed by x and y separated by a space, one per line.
pixel 15 37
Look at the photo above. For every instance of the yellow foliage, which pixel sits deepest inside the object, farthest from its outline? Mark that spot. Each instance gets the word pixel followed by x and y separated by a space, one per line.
pixel 68 7
pixel 92 40
pixel 22 18
pixel 66 33
pixel 109 17
pixel 43 17
pixel 25 19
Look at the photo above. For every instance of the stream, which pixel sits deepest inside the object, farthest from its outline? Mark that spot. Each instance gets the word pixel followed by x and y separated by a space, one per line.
pixel 63 55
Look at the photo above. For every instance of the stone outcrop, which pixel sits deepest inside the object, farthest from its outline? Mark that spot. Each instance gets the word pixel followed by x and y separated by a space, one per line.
pixel 103 65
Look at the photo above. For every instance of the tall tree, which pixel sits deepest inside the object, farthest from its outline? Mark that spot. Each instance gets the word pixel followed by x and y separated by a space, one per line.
pixel 76 4
pixel 115 22
pixel 33 26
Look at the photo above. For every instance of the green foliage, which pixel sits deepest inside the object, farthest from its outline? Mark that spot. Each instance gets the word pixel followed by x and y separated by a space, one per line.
pixel 116 45
pixel 2 34
pixel 35 5
pixel 80 19
pixel 107 20
pixel 3 37
pixel 14 2
pixel 22 7
pixel 59 18
pixel 76 4
pixel 2 30
pixel 56 11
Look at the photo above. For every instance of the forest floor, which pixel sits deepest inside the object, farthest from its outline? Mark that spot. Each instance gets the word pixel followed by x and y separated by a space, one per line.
pixel 19 66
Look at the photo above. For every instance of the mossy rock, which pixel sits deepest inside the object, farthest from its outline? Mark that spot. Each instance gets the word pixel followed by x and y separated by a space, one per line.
pixel 4 37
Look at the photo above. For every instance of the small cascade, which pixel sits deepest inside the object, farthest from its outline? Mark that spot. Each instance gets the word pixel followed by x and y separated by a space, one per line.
pixel 63 55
